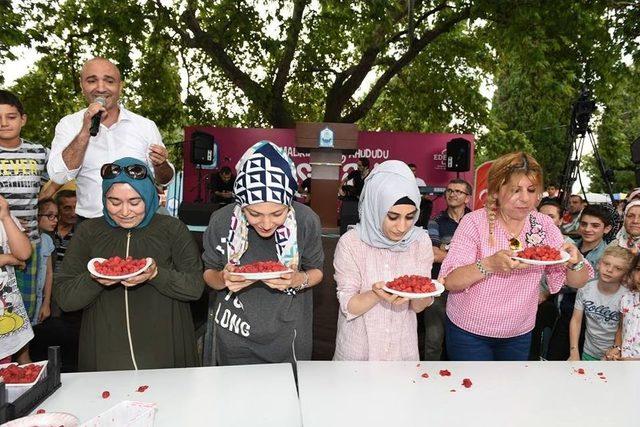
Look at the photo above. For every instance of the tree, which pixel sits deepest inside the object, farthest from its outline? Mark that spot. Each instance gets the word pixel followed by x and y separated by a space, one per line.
pixel 333 47
pixel 618 128
pixel 400 65
pixel 271 63
pixel 10 32
pixel 439 92
pixel 545 55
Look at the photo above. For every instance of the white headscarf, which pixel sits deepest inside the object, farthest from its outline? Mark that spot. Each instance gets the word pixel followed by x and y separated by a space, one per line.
pixel 625 240
pixel 389 182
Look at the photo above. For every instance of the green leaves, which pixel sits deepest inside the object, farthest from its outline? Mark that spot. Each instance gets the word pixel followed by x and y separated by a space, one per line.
pixel 271 63
pixel 618 128
pixel 10 32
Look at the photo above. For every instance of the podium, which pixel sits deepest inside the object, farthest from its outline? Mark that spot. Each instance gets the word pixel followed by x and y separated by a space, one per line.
pixel 326 143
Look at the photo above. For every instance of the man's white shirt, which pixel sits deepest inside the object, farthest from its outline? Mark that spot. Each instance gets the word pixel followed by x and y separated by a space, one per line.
pixel 131 136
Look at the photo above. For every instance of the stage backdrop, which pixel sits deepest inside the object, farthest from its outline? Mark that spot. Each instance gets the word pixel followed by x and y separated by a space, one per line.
pixel 426 150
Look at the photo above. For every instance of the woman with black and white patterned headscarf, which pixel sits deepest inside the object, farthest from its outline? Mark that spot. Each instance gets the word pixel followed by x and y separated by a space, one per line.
pixel 263 321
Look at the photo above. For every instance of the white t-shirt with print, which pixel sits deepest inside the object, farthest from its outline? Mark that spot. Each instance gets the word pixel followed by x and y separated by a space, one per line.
pixel 602 313
pixel 15 328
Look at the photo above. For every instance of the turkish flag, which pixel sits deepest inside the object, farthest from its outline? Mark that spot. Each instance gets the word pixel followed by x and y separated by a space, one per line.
pixel 482 181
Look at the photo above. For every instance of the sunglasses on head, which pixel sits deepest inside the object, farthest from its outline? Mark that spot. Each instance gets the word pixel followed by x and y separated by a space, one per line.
pixel 111 170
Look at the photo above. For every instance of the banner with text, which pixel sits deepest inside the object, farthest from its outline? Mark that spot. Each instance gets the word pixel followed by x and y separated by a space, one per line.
pixel 426 150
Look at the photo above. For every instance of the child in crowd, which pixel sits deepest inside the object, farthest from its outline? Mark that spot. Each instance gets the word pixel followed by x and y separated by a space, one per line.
pixel 15 249
pixel 47 221
pixel 599 300
pixel 385 244
pixel 594 224
pixel 627 341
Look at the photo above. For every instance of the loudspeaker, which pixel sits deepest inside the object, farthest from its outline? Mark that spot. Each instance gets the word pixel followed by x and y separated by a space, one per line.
pixel 196 213
pixel 458 155
pixel 202 148
pixel 635 151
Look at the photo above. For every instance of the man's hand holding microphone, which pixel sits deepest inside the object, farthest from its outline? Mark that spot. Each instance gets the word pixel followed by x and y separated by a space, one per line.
pixel 95 113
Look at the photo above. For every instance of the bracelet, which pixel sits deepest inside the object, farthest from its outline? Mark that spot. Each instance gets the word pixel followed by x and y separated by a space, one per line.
pixel 576 267
pixel 293 291
pixel 482 269
pixel 305 282
pixel 616 347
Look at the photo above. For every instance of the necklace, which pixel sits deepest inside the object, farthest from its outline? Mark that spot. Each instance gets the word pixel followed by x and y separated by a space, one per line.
pixel 514 243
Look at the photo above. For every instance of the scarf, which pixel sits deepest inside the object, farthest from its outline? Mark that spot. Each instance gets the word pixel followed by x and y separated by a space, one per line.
pixel 389 182
pixel 625 239
pixel 265 173
pixel 146 188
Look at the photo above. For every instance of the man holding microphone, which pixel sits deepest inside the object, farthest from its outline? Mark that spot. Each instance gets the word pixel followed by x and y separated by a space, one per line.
pixel 101 133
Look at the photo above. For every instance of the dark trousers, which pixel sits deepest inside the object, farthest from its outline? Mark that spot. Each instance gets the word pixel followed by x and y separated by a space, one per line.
pixel 540 336
pixel 434 328
pixel 466 346
pixel 61 332
pixel 559 344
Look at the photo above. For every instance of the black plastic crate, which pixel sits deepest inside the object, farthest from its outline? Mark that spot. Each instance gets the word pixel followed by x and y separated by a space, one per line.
pixel 26 403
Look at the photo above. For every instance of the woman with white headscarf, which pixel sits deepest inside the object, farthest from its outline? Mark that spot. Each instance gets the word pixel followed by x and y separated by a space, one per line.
pixel 629 235
pixel 266 321
pixel 385 244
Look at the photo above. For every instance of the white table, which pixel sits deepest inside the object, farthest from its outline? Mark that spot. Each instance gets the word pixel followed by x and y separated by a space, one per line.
pixel 251 395
pixel 503 394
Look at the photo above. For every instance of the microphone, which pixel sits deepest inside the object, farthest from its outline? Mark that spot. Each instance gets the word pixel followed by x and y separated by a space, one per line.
pixel 95 120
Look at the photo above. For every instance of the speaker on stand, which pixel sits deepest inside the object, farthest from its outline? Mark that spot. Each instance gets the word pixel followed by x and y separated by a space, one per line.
pixel 458 155
pixel 202 153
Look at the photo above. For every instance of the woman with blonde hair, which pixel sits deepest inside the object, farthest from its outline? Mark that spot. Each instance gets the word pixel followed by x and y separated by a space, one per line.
pixel 492 302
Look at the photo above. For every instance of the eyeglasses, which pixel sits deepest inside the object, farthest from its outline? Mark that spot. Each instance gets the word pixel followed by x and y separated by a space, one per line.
pixel 111 170
pixel 50 217
pixel 451 191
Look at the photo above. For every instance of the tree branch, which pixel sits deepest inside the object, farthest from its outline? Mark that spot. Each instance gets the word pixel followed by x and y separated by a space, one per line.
pixel 418 22
pixel 427 37
pixel 348 82
pixel 293 34
pixel 262 97
pixel 206 42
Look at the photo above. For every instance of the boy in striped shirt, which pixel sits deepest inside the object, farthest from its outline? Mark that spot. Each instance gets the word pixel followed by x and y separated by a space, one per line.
pixel 22 175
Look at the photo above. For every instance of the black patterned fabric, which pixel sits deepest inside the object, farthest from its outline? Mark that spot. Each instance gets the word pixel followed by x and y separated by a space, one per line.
pixel 265 177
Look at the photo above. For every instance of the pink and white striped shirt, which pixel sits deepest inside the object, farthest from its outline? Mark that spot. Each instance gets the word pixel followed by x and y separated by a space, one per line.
pixel 386 332
pixel 502 305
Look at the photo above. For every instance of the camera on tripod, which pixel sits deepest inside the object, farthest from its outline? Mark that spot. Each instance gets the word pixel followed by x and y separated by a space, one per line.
pixel 579 131
pixel 583 108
